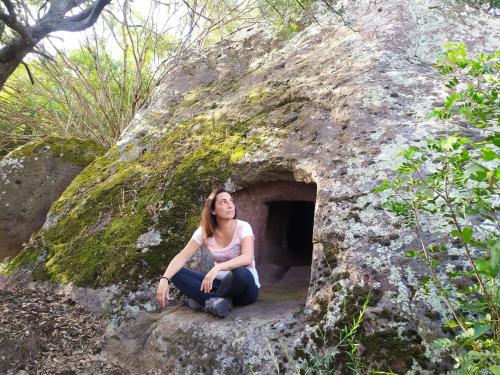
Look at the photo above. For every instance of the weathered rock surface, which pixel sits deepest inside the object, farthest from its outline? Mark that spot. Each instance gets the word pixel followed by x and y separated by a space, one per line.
pixel 32 177
pixel 171 341
pixel 329 108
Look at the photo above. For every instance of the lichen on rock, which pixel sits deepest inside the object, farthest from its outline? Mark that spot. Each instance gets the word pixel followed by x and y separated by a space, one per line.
pixel 331 108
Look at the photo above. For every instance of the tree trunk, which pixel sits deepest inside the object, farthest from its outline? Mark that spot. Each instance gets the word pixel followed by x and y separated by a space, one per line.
pixel 11 56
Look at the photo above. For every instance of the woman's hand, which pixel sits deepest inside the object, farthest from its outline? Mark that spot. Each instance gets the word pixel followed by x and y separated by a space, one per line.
pixel 206 284
pixel 162 294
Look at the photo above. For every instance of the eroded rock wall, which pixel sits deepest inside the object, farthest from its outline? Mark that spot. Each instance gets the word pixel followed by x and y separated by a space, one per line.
pixel 331 106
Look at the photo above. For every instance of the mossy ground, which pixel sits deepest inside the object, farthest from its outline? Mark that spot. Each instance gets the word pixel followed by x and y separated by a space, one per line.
pixel 112 202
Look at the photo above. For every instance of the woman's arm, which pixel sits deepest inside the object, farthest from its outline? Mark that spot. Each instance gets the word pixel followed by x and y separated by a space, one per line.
pixel 243 260
pixel 162 294
pixel 180 259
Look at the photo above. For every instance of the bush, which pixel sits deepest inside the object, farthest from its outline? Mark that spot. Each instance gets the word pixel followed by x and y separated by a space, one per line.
pixel 454 181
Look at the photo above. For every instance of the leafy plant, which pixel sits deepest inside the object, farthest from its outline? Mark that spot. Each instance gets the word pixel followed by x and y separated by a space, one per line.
pixel 454 181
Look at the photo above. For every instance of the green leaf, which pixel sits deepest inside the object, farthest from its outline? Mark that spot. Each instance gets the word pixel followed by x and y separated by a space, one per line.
pixel 474 354
pixel 450 142
pixel 488 154
pixel 467 234
pixel 480 329
pixel 495 139
pixel 495 369
pixel 452 83
pixel 478 172
pixel 495 253
pixel 485 267
pixel 442 343
pixel 384 185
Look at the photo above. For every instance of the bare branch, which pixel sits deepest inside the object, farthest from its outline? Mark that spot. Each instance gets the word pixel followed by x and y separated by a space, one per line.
pixel 61 7
pixel 29 73
pixel 10 7
pixel 11 21
pixel 79 22
pixel 38 52
pixel 42 7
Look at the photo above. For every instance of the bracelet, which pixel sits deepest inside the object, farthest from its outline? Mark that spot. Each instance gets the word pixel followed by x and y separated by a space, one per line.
pixel 165 277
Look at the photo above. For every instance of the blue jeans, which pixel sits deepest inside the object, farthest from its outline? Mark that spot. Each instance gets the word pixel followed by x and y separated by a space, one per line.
pixel 243 290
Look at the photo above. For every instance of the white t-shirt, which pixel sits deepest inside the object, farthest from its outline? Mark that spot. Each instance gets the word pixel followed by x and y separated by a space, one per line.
pixel 233 249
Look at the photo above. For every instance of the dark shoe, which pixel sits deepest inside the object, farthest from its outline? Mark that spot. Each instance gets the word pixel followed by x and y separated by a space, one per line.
pixel 225 285
pixel 191 303
pixel 218 306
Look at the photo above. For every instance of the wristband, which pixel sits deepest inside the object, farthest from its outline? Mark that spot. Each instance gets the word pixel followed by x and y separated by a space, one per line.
pixel 165 277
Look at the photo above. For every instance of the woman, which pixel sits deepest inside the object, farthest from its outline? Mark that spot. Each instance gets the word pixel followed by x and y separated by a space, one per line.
pixel 231 243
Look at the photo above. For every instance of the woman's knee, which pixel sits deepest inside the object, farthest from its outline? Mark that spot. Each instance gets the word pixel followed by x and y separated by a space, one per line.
pixel 249 297
pixel 181 274
pixel 242 273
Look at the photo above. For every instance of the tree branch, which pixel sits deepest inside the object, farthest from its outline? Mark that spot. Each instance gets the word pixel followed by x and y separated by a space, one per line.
pixel 13 53
pixel 29 72
pixel 79 22
pixel 11 21
pixel 10 7
pixel 60 7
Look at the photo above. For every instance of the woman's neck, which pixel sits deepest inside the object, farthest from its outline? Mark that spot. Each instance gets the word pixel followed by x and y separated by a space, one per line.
pixel 225 225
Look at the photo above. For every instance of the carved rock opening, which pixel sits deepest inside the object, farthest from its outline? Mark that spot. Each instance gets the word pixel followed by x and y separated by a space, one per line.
pixel 288 239
pixel 282 217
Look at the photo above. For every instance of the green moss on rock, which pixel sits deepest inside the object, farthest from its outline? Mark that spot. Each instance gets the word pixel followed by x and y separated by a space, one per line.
pixel 394 352
pixel 330 251
pixel 75 151
pixel 99 218
pixel 110 204
pixel 261 94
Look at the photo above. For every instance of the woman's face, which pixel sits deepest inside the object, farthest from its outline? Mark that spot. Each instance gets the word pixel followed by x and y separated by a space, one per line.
pixel 224 206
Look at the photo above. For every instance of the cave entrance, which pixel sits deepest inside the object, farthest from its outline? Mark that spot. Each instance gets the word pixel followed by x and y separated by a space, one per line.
pixel 289 233
pixel 281 214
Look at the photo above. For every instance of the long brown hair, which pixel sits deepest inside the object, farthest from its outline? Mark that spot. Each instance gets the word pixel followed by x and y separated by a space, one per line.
pixel 209 221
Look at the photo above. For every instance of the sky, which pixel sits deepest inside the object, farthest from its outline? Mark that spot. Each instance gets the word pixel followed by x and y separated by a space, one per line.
pixel 72 40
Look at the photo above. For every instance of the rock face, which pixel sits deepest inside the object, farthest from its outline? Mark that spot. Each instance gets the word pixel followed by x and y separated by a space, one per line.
pixel 301 130
pixel 32 177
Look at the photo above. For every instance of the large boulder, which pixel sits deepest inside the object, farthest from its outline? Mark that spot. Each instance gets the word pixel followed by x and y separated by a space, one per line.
pixel 32 177
pixel 301 130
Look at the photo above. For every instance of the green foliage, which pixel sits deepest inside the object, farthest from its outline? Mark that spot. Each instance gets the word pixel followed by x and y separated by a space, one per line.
pixel 349 341
pixel 454 181
pixel 91 92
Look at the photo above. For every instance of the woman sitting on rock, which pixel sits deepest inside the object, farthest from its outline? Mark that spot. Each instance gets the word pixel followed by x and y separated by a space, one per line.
pixel 231 244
